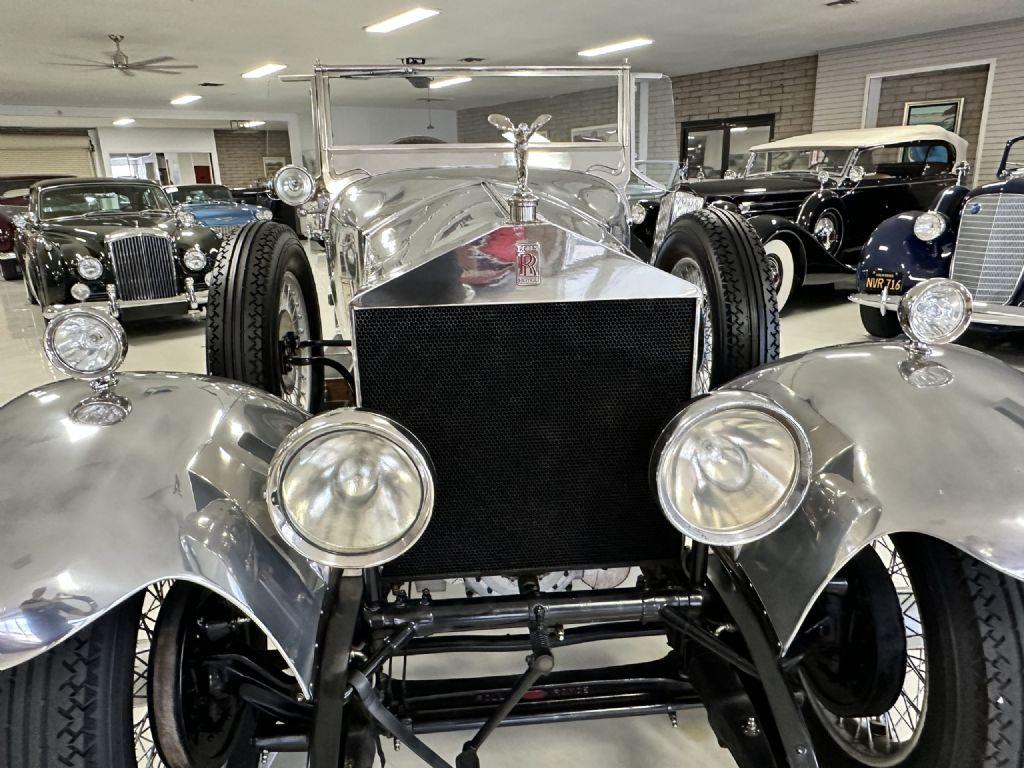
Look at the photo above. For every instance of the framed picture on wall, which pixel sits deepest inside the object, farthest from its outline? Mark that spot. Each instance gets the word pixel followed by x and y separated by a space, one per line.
pixel 945 113
pixel 272 165
pixel 597 133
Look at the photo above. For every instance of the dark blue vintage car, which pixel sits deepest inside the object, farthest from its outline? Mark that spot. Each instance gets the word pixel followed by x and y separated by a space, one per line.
pixel 974 236
pixel 214 207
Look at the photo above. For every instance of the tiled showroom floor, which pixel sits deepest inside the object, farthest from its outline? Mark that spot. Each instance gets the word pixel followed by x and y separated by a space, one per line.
pixel 815 319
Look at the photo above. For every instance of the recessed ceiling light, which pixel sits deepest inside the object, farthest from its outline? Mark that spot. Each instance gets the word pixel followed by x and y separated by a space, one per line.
pixel 449 82
pixel 401 20
pixel 625 45
pixel 188 98
pixel 266 69
pixel 253 123
pixel 124 121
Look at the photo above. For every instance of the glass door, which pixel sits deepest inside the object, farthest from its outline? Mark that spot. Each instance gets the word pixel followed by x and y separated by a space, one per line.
pixel 711 147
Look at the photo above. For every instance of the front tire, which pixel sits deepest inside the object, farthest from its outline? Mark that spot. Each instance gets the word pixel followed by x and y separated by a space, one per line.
pixel 722 254
pixel 965 671
pixel 262 291
pixel 9 269
pixel 880 326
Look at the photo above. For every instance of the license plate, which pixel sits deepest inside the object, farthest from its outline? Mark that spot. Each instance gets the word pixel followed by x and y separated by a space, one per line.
pixel 880 280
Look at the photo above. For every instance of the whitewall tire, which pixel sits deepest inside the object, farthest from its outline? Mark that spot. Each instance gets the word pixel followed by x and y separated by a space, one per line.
pixel 783 268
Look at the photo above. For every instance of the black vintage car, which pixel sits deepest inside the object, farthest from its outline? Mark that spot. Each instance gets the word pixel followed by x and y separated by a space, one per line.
pixel 815 199
pixel 974 236
pixel 116 241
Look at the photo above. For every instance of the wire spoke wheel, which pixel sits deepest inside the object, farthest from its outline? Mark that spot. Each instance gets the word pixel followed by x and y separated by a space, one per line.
pixel 828 231
pixel 142 729
pixel 889 738
pixel 293 318
pixel 688 269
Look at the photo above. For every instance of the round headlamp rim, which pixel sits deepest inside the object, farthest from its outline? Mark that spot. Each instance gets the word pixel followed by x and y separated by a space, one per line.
pixel 349 420
pixel 711 404
pixel 943 220
pixel 50 350
pixel 288 169
pixel 911 297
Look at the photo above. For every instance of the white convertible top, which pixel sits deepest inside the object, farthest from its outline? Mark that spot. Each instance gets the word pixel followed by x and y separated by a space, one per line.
pixel 868 137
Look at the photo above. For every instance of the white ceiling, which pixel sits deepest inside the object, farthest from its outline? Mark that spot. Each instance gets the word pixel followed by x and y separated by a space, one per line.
pixel 228 38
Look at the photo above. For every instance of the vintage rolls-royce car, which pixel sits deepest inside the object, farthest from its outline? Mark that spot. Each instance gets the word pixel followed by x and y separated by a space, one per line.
pixel 815 199
pixel 118 242
pixel 215 208
pixel 13 203
pixel 836 583
pixel 975 236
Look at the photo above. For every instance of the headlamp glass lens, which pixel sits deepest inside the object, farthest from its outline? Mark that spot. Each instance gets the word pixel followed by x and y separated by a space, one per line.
pixel 84 344
pixel 352 491
pixel 929 225
pixel 938 314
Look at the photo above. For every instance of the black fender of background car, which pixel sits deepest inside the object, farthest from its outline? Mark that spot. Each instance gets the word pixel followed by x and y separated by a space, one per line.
pixel 893 247
pixel 807 217
pixel 803 244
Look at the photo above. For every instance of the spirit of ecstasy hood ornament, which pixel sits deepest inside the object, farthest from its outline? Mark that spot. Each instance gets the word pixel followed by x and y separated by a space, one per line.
pixel 522 205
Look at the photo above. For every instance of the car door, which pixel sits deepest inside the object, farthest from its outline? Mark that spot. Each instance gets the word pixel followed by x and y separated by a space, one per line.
pixel 888 187
pixel 937 160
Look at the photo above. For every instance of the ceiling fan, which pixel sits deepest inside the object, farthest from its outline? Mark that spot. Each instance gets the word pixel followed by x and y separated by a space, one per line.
pixel 160 65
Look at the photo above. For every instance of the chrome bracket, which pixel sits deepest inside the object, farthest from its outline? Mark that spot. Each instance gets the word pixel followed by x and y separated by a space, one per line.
pixel 113 306
pixel 190 293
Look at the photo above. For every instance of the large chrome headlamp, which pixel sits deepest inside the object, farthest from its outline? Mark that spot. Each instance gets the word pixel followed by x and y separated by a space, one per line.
pixel 936 311
pixel 731 468
pixel 350 489
pixel 293 185
pixel 85 343
pixel 674 205
pixel 929 226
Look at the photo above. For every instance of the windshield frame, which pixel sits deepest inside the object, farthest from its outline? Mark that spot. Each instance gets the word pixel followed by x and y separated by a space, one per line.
pixel 610 160
pixel 851 155
pixel 35 203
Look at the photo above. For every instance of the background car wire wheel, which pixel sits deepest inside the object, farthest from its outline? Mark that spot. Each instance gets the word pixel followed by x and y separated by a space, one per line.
pixel 142 728
pixel 828 230
pixel 781 269
pixel 961 699
pixel 720 253
pixel 262 301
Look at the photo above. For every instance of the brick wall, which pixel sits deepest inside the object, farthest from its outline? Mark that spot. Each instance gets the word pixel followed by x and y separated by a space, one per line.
pixel 968 83
pixel 784 88
pixel 240 153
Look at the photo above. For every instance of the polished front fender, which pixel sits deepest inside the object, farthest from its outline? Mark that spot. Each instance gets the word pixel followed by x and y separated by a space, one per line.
pixel 93 514
pixel 901 443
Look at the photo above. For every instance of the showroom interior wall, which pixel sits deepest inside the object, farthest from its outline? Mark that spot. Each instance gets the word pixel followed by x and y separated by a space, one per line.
pixel 168 141
pixel 841 93
pixel 241 153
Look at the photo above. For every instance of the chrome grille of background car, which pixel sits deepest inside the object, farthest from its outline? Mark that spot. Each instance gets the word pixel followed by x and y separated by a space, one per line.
pixel 144 267
pixel 989 257
pixel 226 231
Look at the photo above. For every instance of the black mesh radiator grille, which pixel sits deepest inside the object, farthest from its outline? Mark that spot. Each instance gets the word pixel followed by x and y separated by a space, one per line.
pixel 540 419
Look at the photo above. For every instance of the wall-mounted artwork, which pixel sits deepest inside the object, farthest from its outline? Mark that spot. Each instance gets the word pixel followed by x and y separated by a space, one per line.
pixel 945 113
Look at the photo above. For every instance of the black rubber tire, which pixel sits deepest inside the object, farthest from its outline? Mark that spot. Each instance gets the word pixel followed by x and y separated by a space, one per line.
pixel 972 616
pixel 71 706
pixel 242 314
pixel 9 270
pixel 879 326
pixel 744 310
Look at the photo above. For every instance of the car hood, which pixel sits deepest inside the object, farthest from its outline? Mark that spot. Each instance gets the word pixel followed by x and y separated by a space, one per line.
pixel 222 214
pixel 752 188
pixel 1011 186
pixel 101 226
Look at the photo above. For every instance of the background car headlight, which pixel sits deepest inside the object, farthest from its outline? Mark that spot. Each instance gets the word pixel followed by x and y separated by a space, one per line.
pixel 89 268
pixel 936 311
pixel 185 218
pixel 350 488
pixel 637 213
pixel 929 225
pixel 264 214
pixel 731 468
pixel 293 185
pixel 194 258
pixel 85 343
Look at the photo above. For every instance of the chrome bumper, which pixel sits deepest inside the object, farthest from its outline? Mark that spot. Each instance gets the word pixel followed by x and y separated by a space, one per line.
pixel 983 314
pixel 172 305
pixel 8 256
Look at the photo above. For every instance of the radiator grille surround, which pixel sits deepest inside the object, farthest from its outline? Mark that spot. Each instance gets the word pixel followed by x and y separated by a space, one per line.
pixel 143 267
pixel 540 420
pixel 989 255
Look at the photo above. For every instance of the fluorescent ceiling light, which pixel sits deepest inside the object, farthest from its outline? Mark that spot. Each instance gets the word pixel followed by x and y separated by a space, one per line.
pixel 401 20
pixel 450 81
pixel 188 98
pixel 738 128
pixel 124 121
pixel 625 45
pixel 253 123
pixel 266 69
